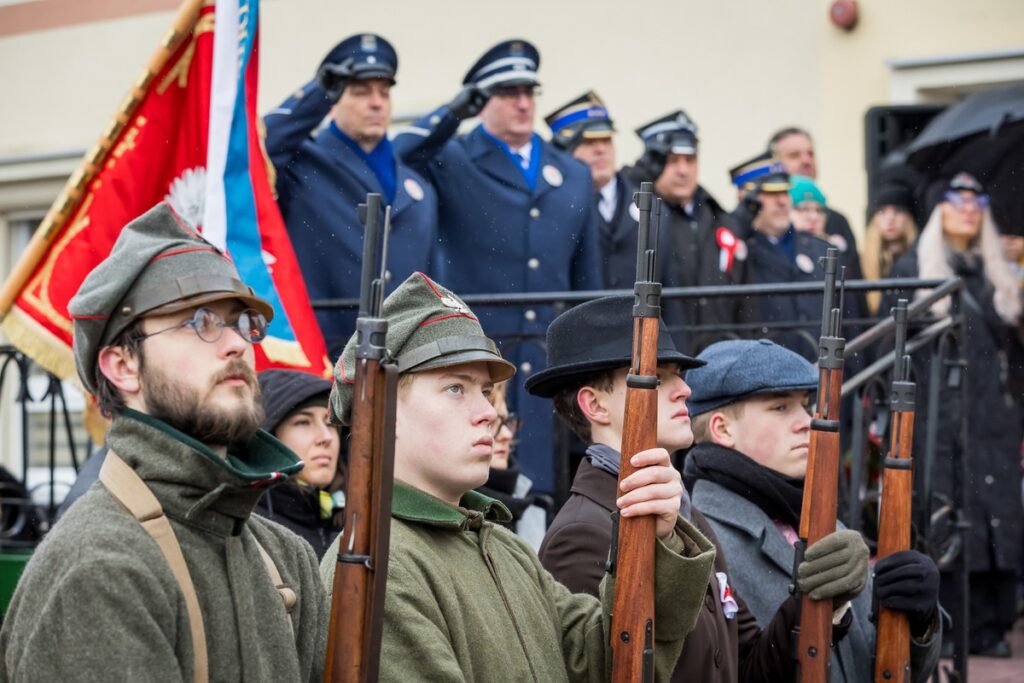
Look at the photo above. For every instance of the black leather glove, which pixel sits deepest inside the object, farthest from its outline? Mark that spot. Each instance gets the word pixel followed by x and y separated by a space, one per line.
pixel 468 102
pixel 747 210
pixel 908 582
pixel 332 78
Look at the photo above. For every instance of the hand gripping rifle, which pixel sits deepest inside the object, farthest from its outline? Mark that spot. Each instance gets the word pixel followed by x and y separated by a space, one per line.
pixel 357 605
pixel 818 513
pixel 633 542
pixel 892 640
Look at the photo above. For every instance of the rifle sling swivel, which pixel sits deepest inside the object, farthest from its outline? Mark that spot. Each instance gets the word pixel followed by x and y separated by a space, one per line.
pixel 349 558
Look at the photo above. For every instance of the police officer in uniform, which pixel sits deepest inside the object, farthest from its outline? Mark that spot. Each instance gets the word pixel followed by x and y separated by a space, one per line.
pixel 325 169
pixel 778 252
pixel 705 248
pixel 584 129
pixel 516 215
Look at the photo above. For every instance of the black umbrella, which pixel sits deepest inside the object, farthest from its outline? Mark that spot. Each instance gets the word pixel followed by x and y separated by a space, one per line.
pixel 983 135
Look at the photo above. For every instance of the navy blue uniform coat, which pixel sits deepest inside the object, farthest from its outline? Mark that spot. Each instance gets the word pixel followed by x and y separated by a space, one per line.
pixel 498 236
pixel 320 181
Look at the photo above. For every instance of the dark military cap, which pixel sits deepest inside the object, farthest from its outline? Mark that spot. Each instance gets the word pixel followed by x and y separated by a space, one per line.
pixel 594 337
pixel 285 391
pixel 673 133
pixel 158 265
pixel 585 118
pixel 512 62
pixel 428 327
pixel 360 57
pixel 763 173
pixel 740 368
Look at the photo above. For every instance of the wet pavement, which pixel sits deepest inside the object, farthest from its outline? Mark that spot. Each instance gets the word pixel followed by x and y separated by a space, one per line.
pixel 992 670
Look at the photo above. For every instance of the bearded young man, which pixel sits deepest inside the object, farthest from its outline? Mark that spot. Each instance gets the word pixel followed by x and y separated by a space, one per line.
pixel 159 571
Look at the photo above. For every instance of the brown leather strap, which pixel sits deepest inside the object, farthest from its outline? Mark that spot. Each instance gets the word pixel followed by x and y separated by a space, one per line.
pixel 128 488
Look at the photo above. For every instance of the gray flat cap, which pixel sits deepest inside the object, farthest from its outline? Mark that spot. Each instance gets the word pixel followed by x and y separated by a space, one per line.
pixel 740 368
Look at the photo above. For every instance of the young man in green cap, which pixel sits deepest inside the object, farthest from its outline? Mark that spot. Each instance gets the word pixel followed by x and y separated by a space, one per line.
pixel 160 571
pixel 746 473
pixel 588 385
pixel 467 599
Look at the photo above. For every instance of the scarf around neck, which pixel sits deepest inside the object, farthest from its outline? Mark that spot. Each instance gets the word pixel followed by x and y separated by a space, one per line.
pixel 780 497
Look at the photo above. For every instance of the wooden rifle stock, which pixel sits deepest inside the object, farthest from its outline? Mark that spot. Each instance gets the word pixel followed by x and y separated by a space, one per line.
pixel 357 603
pixel 633 540
pixel 821 485
pixel 892 639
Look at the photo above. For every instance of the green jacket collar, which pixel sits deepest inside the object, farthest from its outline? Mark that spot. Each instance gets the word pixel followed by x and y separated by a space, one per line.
pixel 193 484
pixel 413 505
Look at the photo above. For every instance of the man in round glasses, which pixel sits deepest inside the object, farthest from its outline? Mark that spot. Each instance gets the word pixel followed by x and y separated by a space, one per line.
pixel 160 569
pixel 505 192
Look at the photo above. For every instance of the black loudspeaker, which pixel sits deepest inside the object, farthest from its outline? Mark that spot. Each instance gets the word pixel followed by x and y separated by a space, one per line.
pixel 887 129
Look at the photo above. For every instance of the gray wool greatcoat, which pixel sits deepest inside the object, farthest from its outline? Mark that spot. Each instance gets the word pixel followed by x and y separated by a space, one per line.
pixel 761 562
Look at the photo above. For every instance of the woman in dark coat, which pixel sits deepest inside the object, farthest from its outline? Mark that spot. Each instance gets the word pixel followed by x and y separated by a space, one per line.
pixel 295 404
pixel 960 239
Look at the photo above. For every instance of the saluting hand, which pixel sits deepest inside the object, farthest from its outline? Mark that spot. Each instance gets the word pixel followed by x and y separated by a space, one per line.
pixel 654 489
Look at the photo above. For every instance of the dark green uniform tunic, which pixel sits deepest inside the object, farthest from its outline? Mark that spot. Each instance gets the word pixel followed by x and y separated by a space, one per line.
pixel 467 600
pixel 98 601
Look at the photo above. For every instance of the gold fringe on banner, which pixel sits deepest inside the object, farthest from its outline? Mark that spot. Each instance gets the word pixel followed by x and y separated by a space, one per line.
pixel 35 341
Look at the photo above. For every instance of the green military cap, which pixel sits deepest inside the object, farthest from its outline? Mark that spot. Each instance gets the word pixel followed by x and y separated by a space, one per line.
pixel 428 327
pixel 159 264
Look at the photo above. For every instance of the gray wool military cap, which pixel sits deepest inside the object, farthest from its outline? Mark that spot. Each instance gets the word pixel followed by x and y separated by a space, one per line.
pixel 740 368
pixel 428 327
pixel 159 264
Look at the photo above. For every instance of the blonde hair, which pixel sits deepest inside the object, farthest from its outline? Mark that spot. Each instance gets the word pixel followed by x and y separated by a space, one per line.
pixel 877 261
pixel 934 254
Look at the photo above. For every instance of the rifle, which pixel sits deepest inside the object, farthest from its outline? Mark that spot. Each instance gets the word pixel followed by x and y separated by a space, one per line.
pixel 633 542
pixel 357 605
pixel 818 512
pixel 892 640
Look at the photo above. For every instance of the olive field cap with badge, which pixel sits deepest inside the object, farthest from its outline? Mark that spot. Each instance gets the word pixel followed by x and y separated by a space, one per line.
pixel 763 173
pixel 594 337
pixel 429 327
pixel 510 62
pixel 739 368
pixel 159 264
pixel 585 118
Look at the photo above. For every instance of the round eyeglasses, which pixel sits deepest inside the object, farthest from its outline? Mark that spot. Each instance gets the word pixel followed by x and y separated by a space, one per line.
pixel 511 421
pixel 208 326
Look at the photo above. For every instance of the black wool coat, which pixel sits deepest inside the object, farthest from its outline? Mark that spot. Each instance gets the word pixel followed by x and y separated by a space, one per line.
pixel 995 424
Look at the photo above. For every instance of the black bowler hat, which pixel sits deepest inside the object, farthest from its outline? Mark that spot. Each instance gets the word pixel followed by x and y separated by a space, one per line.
pixel 362 56
pixel 511 62
pixel 594 337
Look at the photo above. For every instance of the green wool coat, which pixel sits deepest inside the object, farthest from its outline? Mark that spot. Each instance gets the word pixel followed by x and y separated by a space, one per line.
pixel 467 600
pixel 98 602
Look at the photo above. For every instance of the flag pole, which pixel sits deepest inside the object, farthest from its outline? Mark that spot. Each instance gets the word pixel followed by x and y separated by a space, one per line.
pixel 92 162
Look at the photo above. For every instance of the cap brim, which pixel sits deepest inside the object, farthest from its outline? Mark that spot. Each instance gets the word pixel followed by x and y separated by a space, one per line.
pixel 370 72
pixel 181 304
pixel 550 381
pixel 700 407
pixel 499 368
pixel 683 148
pixel 598 132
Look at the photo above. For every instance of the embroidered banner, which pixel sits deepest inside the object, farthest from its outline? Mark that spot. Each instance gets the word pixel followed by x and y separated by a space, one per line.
pixel 187 132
